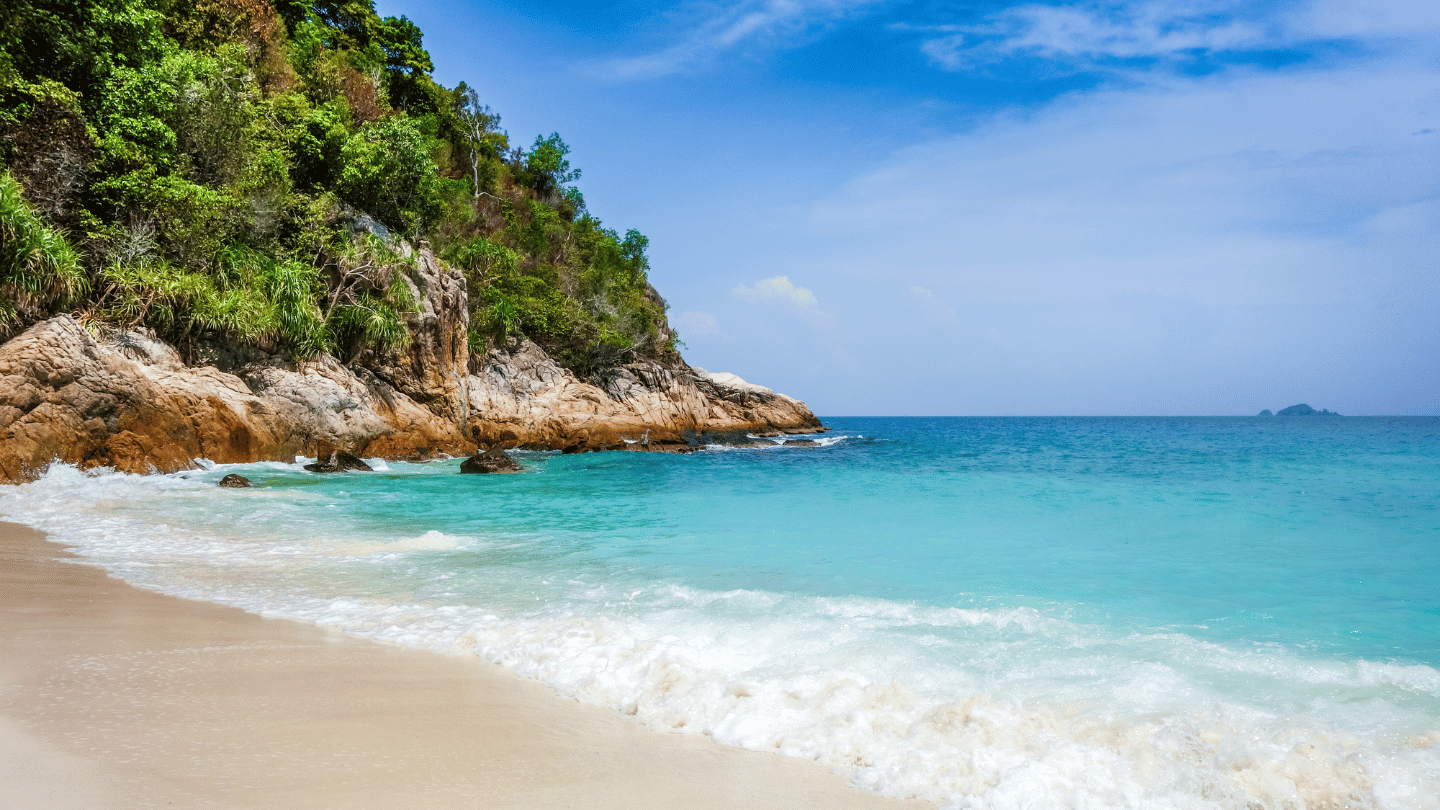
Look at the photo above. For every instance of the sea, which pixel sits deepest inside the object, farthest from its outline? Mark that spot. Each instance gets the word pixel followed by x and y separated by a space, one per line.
pixel 983 612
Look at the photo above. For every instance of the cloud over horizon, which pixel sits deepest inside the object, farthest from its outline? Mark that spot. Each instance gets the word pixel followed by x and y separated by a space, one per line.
pixel 1236 225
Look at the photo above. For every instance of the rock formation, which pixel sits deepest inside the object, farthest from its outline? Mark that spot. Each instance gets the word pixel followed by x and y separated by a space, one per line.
pixel 234 481
pixel 493 460
pixel 126 400
pixel 1304 410
pixel 329 460
pixel 520 397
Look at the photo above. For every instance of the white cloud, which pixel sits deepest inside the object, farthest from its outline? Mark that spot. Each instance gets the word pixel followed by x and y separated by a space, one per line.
pixel 693 323
pixel 934 307
pixel 723 27
pixel 780 289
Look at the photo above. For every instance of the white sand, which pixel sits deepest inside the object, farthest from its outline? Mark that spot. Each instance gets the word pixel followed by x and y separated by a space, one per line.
pixel 112 698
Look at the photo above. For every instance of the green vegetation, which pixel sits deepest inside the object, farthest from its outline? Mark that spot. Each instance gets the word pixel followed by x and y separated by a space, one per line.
pixel 202 169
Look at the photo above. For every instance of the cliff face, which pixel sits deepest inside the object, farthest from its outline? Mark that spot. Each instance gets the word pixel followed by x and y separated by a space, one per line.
pixel 127 401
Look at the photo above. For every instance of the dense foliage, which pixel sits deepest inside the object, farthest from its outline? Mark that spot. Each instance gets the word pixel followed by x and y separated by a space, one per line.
pixel 215 170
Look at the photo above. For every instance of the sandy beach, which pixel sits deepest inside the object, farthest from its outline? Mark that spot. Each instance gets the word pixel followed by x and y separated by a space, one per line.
pixel 114 697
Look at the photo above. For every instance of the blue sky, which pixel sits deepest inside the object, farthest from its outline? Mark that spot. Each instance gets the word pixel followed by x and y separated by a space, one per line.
pixel 990 208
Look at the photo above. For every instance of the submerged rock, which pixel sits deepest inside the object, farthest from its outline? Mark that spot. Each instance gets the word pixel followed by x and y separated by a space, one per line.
pixel 233 481
pixel 801 443
pixel 493 460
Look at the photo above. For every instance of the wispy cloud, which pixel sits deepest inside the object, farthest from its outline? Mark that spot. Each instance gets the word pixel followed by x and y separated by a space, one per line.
pixel 717 28
pixel 693 323
pixel 1095 32
pixel 780 290
pixel 935 308
pixel 1082 35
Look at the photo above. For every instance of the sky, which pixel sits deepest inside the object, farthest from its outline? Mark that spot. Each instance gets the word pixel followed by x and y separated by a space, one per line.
pixel 990 208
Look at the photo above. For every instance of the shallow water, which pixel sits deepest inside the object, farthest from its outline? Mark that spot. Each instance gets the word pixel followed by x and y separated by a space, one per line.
pixel 1007 612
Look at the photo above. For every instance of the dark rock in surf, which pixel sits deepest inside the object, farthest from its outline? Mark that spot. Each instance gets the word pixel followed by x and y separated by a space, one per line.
pixel 233 481
pixel 493 460
pixel 337 461
pixel 801 443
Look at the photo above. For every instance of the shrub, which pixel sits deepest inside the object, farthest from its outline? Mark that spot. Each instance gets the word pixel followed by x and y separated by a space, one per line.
pixel 386 171
pixel 38 267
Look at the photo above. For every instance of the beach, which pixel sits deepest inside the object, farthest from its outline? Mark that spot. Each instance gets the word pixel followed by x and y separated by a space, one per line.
pixel 979 613
pixel 116 697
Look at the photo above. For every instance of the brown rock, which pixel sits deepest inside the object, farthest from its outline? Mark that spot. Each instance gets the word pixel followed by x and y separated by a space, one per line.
pixel 520 397
pixel 493 460
pixel 131 405
pixel 233 481
pixel 434 369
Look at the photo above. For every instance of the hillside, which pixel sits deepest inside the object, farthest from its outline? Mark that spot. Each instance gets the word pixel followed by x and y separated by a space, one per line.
pixel 258 185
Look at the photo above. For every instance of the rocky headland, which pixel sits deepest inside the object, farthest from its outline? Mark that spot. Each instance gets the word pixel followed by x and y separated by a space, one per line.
pixel 98 397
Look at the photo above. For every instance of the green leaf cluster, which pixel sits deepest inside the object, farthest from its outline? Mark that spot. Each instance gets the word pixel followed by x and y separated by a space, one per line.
pixel 198 168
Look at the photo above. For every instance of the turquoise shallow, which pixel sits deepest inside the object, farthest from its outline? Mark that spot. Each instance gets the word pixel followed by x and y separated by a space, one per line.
pixel 986 612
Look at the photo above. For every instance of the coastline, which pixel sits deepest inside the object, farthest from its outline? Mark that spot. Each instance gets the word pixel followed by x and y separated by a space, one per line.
pixel 116 697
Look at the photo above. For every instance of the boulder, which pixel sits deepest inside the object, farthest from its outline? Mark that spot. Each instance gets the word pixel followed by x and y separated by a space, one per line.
pixel 493 460
pixel 330 459
pixel 233 481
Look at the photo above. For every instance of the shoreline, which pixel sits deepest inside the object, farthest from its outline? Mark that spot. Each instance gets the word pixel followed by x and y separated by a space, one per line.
pixel 116 697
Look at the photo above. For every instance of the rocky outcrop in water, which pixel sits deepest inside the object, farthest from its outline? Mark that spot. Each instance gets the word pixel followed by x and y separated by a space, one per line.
pixel 1304 410
pixel 520 397
pixel 127 401
pixel 330 460
pixel 493 460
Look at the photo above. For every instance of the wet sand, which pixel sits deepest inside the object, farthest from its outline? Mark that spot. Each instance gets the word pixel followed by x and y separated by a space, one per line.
pixel 112 697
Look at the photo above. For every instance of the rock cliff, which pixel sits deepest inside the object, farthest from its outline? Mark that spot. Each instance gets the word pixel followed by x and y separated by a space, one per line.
pixel 127 401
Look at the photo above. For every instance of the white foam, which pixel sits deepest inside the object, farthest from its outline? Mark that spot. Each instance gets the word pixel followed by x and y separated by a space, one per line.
pixel 429 541
pixel 968 707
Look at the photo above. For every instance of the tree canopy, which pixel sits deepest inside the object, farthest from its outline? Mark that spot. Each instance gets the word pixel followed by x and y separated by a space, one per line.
pixel 192 167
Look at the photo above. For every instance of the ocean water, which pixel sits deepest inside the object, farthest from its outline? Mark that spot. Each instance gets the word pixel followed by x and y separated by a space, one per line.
pixel 984 612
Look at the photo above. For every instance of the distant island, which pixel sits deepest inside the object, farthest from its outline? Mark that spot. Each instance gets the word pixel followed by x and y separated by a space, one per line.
pixel 1299 410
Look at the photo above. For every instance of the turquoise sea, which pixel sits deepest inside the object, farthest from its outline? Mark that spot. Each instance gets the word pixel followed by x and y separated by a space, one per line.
pixel 985 612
